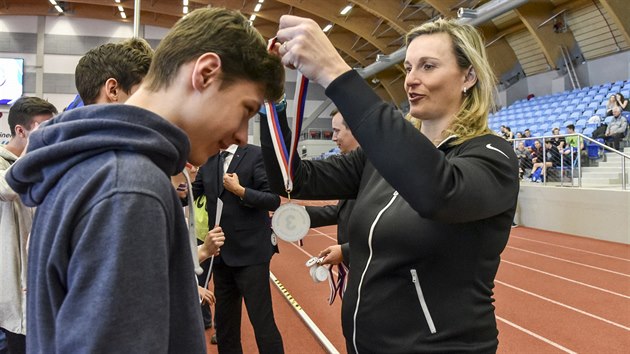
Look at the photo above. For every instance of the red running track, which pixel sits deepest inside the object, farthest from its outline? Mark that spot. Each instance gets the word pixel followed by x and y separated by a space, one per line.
pixel 555 293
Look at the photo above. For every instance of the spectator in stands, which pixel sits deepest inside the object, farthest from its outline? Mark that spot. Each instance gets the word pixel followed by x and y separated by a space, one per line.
pixel 536 152
pixel 519 135
pixel 559 141
pixel 552 159
pixel 612 102
pixel 507 133
pixel 575 144
pixel 622 102
pixel 616 129
pixel 524 158
pixel 528 143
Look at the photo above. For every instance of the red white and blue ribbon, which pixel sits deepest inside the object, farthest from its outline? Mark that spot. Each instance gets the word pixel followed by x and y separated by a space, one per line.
pixel 337 287
pixel 285 158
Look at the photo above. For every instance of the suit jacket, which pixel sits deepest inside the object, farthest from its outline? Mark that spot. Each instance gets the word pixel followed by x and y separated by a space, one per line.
pixel 334 214
pixel 245 222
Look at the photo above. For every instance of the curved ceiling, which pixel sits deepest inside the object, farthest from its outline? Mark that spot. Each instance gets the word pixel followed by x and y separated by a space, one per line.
pixel 521 42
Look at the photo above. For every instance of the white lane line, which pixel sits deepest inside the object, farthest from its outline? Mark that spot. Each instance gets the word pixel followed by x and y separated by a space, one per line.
pixel 572 248
pixel 563 305
pixel 537 336
pixel 566 279
pixel 323 234
pixel 568 261
pixel 319 335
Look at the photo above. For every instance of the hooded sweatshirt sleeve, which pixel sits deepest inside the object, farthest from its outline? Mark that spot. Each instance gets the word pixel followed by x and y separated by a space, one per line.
pixel 117 279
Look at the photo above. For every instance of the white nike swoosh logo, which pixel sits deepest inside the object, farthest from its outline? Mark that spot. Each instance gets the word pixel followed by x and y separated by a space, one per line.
pixel 489 146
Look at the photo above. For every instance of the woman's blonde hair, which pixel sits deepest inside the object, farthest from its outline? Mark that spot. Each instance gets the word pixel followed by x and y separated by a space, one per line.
pixel 472 118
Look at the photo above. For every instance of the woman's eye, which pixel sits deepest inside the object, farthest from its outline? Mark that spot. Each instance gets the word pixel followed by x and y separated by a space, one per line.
pixel 427 66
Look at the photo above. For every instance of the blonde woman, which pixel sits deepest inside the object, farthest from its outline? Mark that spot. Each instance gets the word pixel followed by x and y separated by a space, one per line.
pixel 435 193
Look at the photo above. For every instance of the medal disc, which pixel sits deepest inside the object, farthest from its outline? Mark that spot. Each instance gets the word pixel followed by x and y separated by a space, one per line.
pixel 290 222
pixel 321 274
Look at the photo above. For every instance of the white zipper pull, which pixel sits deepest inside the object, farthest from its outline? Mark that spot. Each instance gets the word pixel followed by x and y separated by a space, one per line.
pixel 395 193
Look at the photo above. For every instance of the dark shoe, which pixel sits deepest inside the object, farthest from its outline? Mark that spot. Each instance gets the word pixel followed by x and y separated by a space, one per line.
pixel 514 224
pixel 213 339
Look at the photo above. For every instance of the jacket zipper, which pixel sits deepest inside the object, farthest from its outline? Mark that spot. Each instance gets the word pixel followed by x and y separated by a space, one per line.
pixel 356 309
pixel 423 303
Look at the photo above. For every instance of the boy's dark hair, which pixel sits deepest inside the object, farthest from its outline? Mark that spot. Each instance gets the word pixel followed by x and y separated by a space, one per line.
pixel 127 61
pixel 25 108
pixel 571 126
pixel 227 33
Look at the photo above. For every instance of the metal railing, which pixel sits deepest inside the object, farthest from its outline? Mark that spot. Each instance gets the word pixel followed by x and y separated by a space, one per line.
pixel 575 157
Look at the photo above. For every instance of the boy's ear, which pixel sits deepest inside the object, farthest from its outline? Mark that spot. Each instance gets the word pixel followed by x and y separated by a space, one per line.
pixel 207 70
pixel 111 90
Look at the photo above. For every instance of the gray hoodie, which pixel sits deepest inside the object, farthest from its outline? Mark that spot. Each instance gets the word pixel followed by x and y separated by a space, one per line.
pixel 110 267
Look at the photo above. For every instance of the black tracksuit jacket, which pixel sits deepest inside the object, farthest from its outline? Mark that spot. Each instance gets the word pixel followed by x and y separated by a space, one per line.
pixel 426 232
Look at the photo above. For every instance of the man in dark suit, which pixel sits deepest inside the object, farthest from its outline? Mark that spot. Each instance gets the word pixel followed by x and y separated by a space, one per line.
pixel 241 271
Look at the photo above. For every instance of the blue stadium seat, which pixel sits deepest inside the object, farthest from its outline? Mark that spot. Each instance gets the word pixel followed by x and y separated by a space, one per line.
pixel 615 89
pixel 603 90
pixel 593 105
pixel 608 119
pixel 625 92
pixel 581 123
pixel 601 112
pixel 567 122
pixel 588 131
pixel 575 115
pixel 599 97
pixel 586 99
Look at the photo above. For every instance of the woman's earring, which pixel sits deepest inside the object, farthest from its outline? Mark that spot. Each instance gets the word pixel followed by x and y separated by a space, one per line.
pixel 464 90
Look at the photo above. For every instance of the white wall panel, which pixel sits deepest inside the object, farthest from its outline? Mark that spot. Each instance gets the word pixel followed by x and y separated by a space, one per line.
pixel 60 64
pixel 23 24
pixel 87 27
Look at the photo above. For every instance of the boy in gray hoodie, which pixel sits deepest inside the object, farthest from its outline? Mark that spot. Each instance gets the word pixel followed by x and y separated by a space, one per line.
pixel 110 263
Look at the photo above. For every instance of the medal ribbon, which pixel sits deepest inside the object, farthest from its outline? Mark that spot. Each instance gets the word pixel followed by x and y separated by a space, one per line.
pixel 285 158
pixel 339 286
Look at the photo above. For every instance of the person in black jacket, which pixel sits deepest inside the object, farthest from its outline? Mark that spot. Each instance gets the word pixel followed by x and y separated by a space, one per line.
pixel 339 213
pixel 241 271
pixel 435 193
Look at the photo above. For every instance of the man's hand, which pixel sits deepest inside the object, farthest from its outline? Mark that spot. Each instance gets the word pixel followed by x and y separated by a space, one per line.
pixel 206 296
pixel 232 184
pixel 332 255
pixel 212 245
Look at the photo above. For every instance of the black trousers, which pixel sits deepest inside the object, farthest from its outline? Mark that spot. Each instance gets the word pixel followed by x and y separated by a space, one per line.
pixel 231 286
pixel 615 139
pixel 16 343
pixel 206 313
